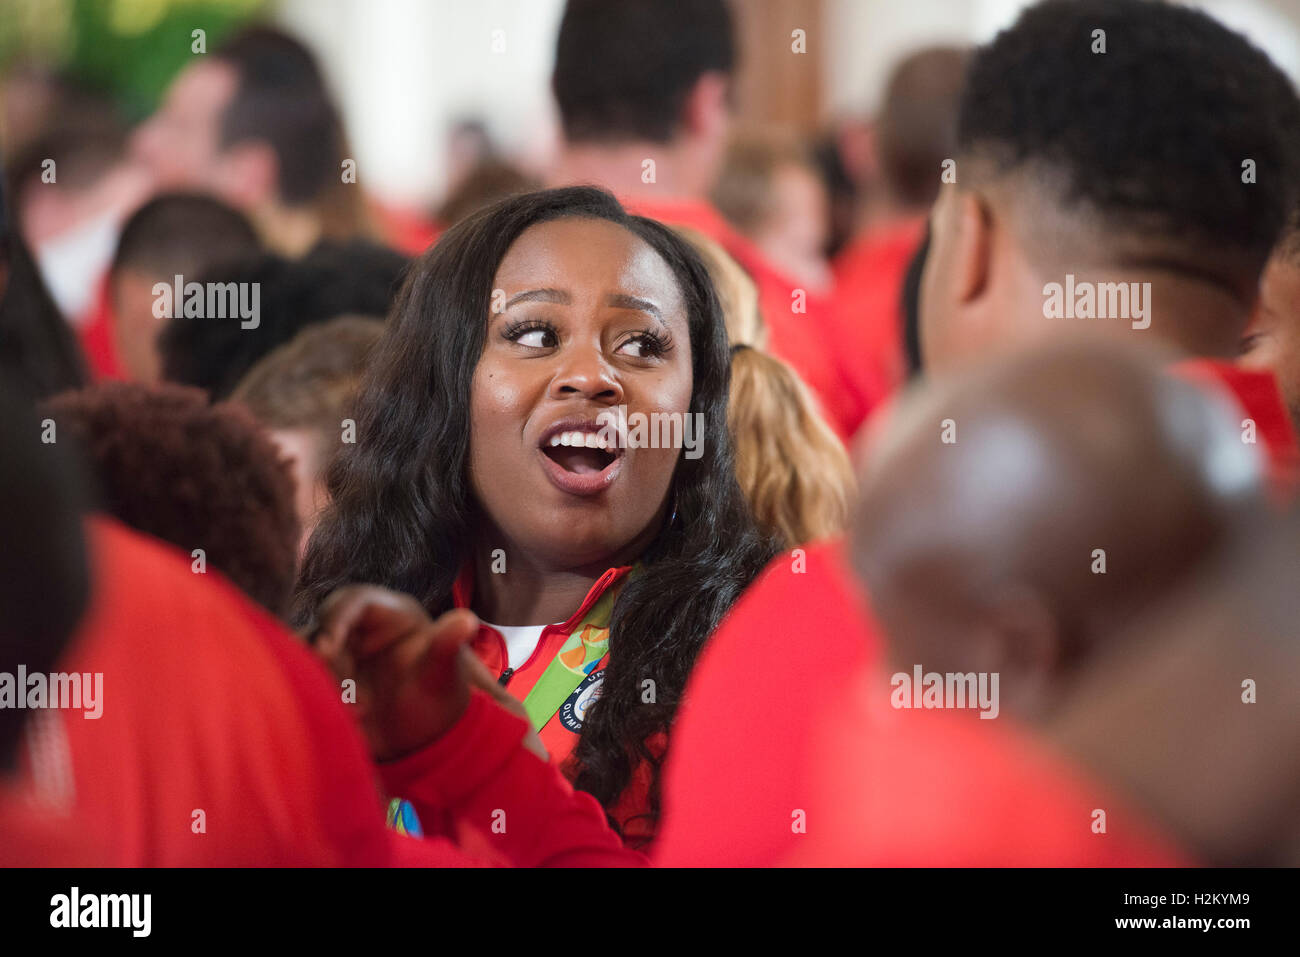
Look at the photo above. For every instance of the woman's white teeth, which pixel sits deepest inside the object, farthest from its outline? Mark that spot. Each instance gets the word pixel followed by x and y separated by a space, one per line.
pixel 590 440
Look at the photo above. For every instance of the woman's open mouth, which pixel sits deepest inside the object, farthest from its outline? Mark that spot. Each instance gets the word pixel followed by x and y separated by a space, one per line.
pixel 580 458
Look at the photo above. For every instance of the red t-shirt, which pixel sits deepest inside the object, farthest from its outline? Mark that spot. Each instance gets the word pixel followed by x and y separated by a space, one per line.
pixel 404 229
pixel 97 343
pixel 1256 394
pixel 776 760
pixel 867 321
pixel 738 763
pixel 918 788
pixel 223 742
pixel 800 338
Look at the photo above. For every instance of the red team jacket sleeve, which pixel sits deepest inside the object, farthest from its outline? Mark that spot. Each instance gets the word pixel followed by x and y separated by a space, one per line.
pixel 479 767
pixel 501 802
pixel 213 705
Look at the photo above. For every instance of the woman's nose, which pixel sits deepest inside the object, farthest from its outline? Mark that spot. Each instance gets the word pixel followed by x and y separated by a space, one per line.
pixel 584 371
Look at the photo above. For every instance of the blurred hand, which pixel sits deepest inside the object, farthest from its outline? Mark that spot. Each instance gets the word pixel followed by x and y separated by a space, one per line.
pixel 413 675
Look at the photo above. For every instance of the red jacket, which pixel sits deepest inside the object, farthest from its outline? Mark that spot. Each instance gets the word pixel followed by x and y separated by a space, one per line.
pixel 97 342
pixel 828 784
pixel 800 338
pixel 739 765
pixel 1256 395
pixel 867 321
pixel 223 742
pixel 562 727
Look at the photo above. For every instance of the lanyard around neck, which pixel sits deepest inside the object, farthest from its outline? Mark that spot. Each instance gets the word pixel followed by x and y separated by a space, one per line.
pixel 581 652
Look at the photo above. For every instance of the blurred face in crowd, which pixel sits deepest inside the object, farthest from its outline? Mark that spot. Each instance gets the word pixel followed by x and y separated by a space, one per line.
pixel 302 448
pixel 135 327
pixel 592 319
pixel 793 234
pixel 181 142
pixel 1272 340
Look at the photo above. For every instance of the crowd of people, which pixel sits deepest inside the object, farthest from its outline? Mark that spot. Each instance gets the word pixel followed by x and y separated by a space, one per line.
pixel 918 496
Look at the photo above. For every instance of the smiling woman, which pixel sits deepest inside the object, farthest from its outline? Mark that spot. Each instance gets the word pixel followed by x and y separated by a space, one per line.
pixel 521 327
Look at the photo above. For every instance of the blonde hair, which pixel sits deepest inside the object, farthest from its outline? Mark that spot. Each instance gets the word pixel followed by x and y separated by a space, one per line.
pixel 737 293
pixel 792 468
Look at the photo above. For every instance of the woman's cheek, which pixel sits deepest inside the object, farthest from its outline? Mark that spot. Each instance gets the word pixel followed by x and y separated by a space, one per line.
pixel 497 399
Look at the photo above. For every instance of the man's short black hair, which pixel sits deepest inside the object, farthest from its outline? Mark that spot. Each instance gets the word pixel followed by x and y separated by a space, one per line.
pixel 623 68
pixel 281 99
pixel 336 278
pixel 1154 132
pixel 182 233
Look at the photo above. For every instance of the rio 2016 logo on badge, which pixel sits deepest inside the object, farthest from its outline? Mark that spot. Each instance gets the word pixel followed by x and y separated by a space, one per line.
pixel 574 709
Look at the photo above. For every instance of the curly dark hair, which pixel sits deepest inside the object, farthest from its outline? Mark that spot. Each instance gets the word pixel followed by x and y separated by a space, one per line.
pixel 1152 133
pixel 196 475
pixel 403 510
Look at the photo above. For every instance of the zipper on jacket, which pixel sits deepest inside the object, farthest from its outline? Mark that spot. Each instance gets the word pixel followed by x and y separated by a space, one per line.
pixel 505 677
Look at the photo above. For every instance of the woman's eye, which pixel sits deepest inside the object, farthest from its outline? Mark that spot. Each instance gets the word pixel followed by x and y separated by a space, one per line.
pixel 533 337
pixel 537 338
pixel 642 347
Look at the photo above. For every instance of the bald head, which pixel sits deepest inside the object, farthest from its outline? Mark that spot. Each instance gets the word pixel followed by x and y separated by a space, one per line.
pixel 1012 519
pixel 1192 711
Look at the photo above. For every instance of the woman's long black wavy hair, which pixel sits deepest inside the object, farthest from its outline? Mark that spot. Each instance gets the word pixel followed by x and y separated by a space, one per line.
pixel 402 506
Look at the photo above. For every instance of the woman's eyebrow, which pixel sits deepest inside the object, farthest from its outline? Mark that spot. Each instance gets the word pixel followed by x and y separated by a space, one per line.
pixel 622 301
pixel 557 296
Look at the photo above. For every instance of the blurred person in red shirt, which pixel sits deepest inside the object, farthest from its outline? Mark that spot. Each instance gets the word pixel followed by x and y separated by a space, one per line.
pixel 645 103
pixel 175 234
pixel 254 124
pixel 70 191
pixel 303 393
pixel 903 152
pixel 1113 737
pixel 1037 239
pixel 1006 228
pixel 770 190
pixel 972 566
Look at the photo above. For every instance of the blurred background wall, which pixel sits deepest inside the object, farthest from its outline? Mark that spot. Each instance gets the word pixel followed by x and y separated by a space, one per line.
pixel 410 74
